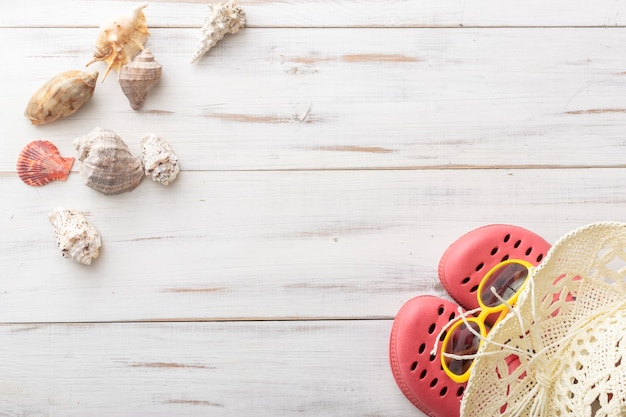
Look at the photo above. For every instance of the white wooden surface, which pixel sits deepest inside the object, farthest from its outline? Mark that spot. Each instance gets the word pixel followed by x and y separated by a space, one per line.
pixel 330 152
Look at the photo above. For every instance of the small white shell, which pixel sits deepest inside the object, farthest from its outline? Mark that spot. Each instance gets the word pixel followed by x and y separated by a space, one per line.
pixel 77 238
pixel 159 160
pixel 223 18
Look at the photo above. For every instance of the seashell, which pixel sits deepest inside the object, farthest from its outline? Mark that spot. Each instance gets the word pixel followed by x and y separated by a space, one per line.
pixel 121 39
pixel 223 18
pixel 107 164
pixel 159 160
pixel 61 96
pixel 40 163
pixel 138 77
pixel 77 238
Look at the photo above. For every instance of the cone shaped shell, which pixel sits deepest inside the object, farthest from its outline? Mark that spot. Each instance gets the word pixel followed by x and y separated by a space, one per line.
pixel 138 78
pixel 223 18
pixel 121 39
pixel 61 96
pixel 107 165
pixel 40 163
pixel 77 238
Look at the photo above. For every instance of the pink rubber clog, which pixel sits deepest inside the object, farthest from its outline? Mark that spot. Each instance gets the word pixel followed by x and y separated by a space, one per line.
pixel 465 262
pixel 417 325
pixel 418 373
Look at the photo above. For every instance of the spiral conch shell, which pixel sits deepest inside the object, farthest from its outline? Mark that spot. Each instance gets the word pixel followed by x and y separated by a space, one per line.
pixel 61 96
pixel 107 164
pixel 120 40
pixel 223 18
pixel 138 78
pixel 77 238
pixel 159 160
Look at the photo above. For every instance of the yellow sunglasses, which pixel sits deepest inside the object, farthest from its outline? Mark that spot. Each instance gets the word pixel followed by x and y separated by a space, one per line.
pixel 499 289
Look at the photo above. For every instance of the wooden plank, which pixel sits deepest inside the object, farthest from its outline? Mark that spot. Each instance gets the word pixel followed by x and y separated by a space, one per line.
pixel 273 245
pixel 336 99
pixel 196 369
pixel 331 152
pixel 322 13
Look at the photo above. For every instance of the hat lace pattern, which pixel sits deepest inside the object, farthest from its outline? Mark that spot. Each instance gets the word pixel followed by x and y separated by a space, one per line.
pixel 561 350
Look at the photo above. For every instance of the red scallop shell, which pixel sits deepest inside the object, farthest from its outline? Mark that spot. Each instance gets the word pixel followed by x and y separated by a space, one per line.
pixel 40 163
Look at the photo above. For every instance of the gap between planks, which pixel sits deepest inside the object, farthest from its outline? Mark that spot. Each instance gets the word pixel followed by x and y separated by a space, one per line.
pixel 37 324
pixel 528 167
pixel 343 27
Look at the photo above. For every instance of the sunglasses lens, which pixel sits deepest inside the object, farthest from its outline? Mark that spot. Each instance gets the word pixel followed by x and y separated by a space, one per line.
pixel 506 281
pixel 462 342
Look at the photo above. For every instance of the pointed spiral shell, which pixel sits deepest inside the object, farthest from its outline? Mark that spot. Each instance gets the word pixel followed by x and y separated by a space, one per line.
pixel 223 18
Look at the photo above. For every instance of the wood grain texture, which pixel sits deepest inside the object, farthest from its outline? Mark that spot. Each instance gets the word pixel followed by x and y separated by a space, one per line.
pixel 330 153
pixel 357 99
pixel 274 245
pixel 199 369
pixel 325 13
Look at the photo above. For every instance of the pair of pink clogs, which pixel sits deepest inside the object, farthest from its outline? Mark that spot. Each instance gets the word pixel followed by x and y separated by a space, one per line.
pixel 418 373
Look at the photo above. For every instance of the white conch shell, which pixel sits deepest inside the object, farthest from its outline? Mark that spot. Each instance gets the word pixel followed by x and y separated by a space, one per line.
pixel 121 39
pixel 61 96
pixel 159 160
pixel 77 238
pixel 107 164
pixel 138 77
pixel 223 18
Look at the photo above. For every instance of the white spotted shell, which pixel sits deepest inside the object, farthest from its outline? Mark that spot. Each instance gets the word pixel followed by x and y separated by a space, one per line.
pixel 159 160
pixel 77 238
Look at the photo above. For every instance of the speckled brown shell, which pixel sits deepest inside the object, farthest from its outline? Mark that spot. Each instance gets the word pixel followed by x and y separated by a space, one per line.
pixel 107 165
pixel 138 78
pixel 60 97
pixel 40 163
pixel 121 39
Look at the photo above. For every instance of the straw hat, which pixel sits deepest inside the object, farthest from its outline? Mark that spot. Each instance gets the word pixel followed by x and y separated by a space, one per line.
pixel 561 351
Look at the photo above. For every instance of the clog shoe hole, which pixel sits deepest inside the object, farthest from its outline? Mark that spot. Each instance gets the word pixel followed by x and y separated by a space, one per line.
pixel 423 373
pixel 494 252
